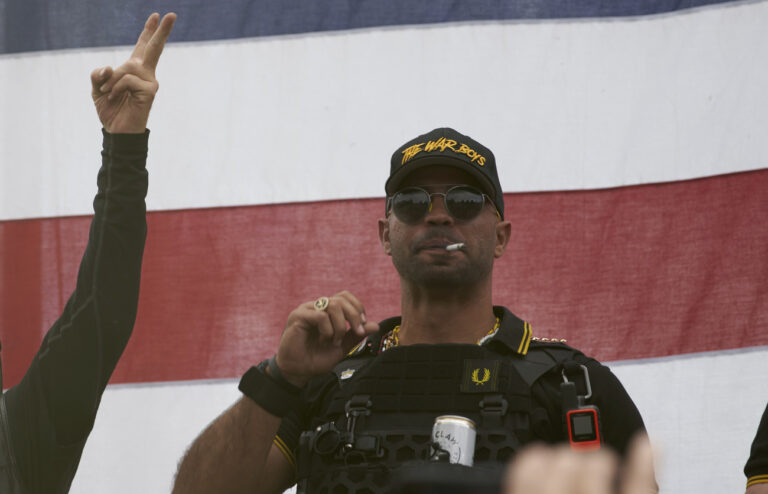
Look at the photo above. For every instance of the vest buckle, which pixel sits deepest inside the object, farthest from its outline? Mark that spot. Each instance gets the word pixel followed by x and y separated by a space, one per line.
pixel 358 448
pixel 492 410
pixel 357 406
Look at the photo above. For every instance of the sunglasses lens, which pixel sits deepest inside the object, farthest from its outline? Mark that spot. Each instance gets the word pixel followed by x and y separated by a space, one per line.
pixel 410 205
pixel 464 203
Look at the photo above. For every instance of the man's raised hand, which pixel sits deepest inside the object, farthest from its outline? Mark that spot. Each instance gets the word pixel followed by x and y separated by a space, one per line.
pixel 123 96
pixel 316 339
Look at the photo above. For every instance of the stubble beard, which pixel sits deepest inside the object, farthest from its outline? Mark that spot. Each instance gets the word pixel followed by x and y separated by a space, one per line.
pixel 437 274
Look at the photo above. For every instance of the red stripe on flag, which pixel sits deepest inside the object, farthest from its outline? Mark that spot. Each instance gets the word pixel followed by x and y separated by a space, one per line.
pixel 22 248
pixel 622 273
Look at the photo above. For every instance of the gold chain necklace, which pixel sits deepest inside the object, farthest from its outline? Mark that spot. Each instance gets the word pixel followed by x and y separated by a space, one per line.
pixel 392 338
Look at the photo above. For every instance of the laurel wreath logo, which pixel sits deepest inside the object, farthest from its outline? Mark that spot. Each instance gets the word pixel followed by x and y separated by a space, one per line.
pixel 480 380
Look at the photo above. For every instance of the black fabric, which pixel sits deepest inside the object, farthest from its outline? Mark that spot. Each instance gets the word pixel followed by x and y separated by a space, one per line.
pixel 52 410
pixel 409 386
pixel 757 464
pixel 9 481
pixel 278 398
pixel 620 418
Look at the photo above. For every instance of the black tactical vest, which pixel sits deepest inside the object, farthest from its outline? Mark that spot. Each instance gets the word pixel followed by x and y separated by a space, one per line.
pixel 380 414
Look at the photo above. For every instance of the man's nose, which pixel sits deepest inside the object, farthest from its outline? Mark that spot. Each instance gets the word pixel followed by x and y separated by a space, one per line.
pixel 438 214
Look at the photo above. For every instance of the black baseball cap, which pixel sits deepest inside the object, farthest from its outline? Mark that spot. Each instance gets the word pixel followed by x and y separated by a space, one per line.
pixel 447 147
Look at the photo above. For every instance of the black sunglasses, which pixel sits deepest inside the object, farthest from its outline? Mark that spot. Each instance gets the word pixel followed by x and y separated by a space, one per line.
pixel 463 203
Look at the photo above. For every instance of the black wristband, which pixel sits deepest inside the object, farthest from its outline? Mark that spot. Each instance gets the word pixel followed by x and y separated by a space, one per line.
pixel 277 375
pixel 278 397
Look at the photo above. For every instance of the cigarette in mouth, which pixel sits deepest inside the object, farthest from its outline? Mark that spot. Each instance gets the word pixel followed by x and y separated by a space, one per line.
pixel 453 247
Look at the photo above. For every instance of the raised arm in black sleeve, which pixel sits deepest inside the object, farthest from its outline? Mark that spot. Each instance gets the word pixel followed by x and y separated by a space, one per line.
pixel 52 410
pixel 756 468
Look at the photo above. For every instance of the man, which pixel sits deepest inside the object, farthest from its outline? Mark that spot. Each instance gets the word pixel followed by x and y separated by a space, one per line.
pixel 346 405
pixel 45 420
pixel 756 468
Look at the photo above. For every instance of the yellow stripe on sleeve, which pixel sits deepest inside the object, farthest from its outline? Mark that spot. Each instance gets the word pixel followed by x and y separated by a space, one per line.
pixel 286 450
pixel 757 479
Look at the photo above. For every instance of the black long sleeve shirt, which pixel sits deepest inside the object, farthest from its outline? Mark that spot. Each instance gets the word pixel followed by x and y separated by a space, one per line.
pixel 756 468
pixel 51 412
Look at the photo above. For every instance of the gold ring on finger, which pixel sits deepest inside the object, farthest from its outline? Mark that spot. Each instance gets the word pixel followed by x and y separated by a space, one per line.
pixel 322 303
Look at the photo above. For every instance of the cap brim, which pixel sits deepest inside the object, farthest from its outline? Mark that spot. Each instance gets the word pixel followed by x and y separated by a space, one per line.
pixel 394 181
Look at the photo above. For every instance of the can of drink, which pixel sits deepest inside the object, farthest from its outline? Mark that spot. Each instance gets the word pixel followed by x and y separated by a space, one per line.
pixel 454 435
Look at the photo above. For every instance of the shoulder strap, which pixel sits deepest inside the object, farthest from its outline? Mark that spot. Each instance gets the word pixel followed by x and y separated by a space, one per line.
pixel 541 358
pixel 533 366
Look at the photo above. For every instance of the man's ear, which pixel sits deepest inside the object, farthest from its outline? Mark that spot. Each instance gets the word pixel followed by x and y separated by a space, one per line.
pixel 384 235
pixel 503 234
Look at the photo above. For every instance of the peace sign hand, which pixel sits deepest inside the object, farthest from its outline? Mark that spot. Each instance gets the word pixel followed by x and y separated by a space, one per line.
pixel 123 97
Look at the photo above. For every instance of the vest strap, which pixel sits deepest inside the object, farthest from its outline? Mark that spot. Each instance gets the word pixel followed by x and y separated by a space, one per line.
pixel 492 410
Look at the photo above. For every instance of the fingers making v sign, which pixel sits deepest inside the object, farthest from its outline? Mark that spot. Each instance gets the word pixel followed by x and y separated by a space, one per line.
pixel 123 96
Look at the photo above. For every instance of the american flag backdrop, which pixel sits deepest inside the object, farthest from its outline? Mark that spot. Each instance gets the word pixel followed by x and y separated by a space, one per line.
pixel 631 143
